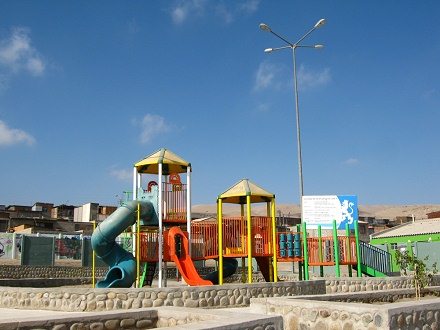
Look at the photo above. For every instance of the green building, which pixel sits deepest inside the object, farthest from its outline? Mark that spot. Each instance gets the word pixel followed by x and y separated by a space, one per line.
pixel 422 238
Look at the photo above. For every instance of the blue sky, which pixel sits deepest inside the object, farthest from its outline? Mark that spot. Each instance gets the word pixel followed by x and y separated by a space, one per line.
pixel 87 88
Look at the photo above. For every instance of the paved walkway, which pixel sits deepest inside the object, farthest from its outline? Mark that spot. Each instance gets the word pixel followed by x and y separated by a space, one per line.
pixel 10 314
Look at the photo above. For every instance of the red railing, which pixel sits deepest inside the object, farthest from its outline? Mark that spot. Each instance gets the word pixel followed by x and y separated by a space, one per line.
pixel 204 243
pixel 204 240
pixel 234 236
pixel 261 236
pixel 174 197
pixel 323 256
pixel 347 250
pixel 149 243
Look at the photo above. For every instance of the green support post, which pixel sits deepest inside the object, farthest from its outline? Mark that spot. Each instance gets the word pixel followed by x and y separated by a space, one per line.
pixel 336 250
pixel 347 233
pixel 321 267
pixel 306 253
pixel 300 268
pixel 358 249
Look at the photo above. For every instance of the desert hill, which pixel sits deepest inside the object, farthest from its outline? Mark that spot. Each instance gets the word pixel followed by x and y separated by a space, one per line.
pixel 378 211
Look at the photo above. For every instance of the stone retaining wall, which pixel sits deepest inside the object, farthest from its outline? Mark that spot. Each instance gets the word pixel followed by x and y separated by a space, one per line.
pixel 227 295
pixel 163 317
pixel 79 299
pixel 355 311
pixel 18 272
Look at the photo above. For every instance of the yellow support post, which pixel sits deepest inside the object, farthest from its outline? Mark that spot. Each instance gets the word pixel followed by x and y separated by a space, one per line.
pixel 220 241
pixel 243 259
pixel 138 245
pixel 249 239
pixel 274 241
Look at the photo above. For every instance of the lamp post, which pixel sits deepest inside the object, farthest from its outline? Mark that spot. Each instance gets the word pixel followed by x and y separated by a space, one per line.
pixel 293 47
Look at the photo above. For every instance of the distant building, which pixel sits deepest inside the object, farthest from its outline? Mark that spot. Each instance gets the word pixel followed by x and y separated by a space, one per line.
pixel 44 208
pixel 63 212
pixel 92 212
pixel 433 215
pixel 86 213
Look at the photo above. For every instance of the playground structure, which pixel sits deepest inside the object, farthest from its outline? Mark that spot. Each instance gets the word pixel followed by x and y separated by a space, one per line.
pixel 159 217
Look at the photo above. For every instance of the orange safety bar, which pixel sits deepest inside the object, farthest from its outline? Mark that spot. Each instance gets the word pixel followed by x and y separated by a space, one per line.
pixel 327 251
pixel 174 197
pixel 347 250
pixel 204 240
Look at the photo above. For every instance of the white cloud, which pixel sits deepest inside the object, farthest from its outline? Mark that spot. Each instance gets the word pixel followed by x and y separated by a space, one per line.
pixel 351 161
pixel 263 107
pixel 121 174
pixel 222 11
pixel 250 6
pixel 151 126
pixel 133 27
pixel 17 53
pixel 267 76
pixel 10 136
pixel 309 79
pixel 430 94
pixel 184 8
pixel 226 10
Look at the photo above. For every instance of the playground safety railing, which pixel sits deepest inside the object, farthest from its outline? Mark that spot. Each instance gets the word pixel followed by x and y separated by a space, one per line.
pixel 321 251
pixel 234 236
pixel 174 196
pixel 149 245
pixel 261 236
pixel 373 257
pixel 347 250
pixel 204 240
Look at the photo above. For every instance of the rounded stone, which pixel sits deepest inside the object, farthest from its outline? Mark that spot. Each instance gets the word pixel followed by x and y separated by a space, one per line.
pixel 378 320
pixel 344 316
pixel 144 324
pixel 121 296
pixel 324 313
pixel 157 303
pixel 334 315
pixel 137 303
pixel 60 327
pixel 77 326
pixel 109 304
pixel 127 323
pixel 320 325
pixel 366 318
pixel 96 326
pixel 348 326
pixel 110 295
pixel 147 303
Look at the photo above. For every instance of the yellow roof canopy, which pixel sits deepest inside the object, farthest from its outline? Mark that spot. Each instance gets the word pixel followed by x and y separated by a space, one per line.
pixel 171 163
pixel 237 193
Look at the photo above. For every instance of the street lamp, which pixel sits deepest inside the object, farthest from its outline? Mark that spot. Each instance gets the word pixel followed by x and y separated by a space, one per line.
pixel 293 47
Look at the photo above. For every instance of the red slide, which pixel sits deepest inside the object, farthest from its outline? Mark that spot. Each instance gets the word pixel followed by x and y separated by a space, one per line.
pixel 184 262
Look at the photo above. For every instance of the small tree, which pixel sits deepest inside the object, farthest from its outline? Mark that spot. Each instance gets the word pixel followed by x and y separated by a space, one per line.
pixel 417 268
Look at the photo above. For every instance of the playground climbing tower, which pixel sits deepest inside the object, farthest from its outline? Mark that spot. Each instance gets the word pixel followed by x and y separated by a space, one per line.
pixel 163 170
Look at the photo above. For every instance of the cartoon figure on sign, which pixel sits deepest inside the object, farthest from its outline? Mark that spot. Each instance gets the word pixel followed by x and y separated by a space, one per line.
pixel 347 211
